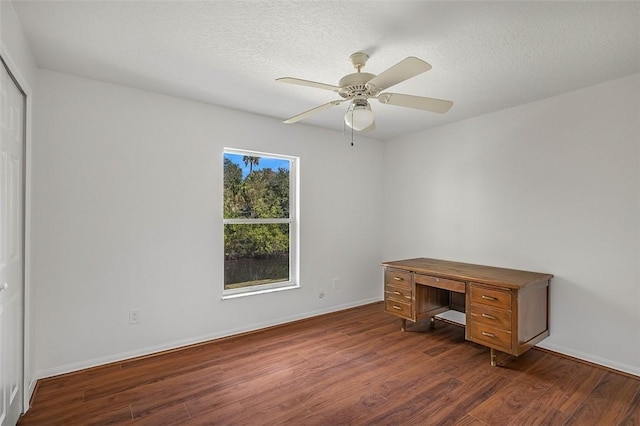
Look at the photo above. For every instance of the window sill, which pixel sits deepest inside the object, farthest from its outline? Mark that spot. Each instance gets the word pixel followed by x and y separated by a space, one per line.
pixel 255 292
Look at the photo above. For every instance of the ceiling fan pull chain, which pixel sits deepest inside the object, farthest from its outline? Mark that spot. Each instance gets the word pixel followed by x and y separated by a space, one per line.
pixel 352 127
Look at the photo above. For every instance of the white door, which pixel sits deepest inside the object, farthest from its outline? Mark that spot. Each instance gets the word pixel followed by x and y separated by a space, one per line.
pixel 12 120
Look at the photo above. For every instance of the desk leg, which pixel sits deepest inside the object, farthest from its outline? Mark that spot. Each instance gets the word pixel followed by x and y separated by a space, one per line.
pixel 433 322
pixel 403 324
pixel 494 358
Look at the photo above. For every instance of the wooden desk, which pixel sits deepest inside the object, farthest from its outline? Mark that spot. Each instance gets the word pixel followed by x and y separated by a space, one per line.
pixel 504 309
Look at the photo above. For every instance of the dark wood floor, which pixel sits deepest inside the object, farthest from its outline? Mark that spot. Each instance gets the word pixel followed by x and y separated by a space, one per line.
pixel 350 367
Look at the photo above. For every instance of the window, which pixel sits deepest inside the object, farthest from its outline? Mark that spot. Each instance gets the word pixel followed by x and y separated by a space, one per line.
pixel 260 228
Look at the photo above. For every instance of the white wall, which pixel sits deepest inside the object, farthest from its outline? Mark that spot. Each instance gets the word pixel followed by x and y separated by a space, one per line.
pixel 127 194
pixel 15 51
pixel 551 186
pixel 15 47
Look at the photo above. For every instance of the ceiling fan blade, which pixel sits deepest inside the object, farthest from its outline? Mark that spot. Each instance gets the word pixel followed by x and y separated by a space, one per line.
pixel 308 83
pixel 417 102
pixel 312 111
pixel 403 70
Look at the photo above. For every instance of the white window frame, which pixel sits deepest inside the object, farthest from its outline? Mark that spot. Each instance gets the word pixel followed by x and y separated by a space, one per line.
pixel 292 220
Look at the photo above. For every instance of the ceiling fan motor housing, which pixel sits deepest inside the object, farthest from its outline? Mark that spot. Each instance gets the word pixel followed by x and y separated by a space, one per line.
pixel 352 85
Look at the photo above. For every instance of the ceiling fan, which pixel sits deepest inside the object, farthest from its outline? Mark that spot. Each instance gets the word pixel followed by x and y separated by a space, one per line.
pixel 360 86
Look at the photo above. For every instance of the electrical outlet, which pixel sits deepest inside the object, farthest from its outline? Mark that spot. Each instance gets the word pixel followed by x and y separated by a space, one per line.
pixel 134 316
pixel 335 283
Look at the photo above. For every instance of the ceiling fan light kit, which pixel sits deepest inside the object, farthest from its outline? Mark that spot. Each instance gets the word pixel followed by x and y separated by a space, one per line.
pixel 360 86
pixel 359 115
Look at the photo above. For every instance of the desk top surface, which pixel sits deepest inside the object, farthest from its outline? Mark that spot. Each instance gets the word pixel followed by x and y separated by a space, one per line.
pixel 511 278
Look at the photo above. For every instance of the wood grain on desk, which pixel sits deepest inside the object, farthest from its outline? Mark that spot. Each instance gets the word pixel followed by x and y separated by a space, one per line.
pixel 503 277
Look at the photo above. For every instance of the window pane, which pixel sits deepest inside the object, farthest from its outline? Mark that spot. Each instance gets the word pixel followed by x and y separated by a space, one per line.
pixel 256 187
pixel 255 254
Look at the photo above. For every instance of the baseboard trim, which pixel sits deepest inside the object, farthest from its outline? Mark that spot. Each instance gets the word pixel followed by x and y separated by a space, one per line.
pixel 185 343
pixel 33 386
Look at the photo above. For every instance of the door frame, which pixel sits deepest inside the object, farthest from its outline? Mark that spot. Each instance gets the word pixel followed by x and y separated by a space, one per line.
pixel 28 376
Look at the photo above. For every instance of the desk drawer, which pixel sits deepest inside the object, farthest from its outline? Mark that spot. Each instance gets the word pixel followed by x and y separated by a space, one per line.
pixel 400 309
pixel 492 317
pixel 397 278
pixel 489 336
pixel 398 292
pixel 446 284
pixel 482 295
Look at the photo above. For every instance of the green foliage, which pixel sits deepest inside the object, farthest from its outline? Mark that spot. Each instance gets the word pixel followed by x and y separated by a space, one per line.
pixel 262 194
pixel 232 188
pixel 256 240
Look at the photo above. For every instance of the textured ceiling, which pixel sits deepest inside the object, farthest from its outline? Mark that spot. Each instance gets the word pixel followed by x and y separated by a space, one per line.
pixel 486 56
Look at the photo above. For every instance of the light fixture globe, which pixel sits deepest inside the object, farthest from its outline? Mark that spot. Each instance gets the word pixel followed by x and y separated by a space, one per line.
pixel 359 115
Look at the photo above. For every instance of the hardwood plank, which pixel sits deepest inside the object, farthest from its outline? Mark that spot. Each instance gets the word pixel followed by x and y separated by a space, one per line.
pixel 263 393
pixel 612 401
pixel 217 417
pixel 540 414
pixel 320 378
pixel 548 370
pixel 632 414
pixel 348 367
pixel 232 386
pixel 107 414
pixel 327 346
pixel 78 378
pixel 268 408
pixel 146 373
pixel 45 403
pixel 118 416
pixel 165 390
pixel 457 403
pixel 570 391
pixel 414 404
pixel 332 390
pixel 470 421
pixel 166 415
pixel 464 362
pixel 353 405
pixel 508 402
pixel 285 412
pixel 513 367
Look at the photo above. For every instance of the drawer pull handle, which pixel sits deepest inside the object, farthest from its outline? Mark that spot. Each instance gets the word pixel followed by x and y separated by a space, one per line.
pixel 484 296
pixel 398 278
pixel 484 333
pixel 397 292
pixel 397 307
pixel 491 317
